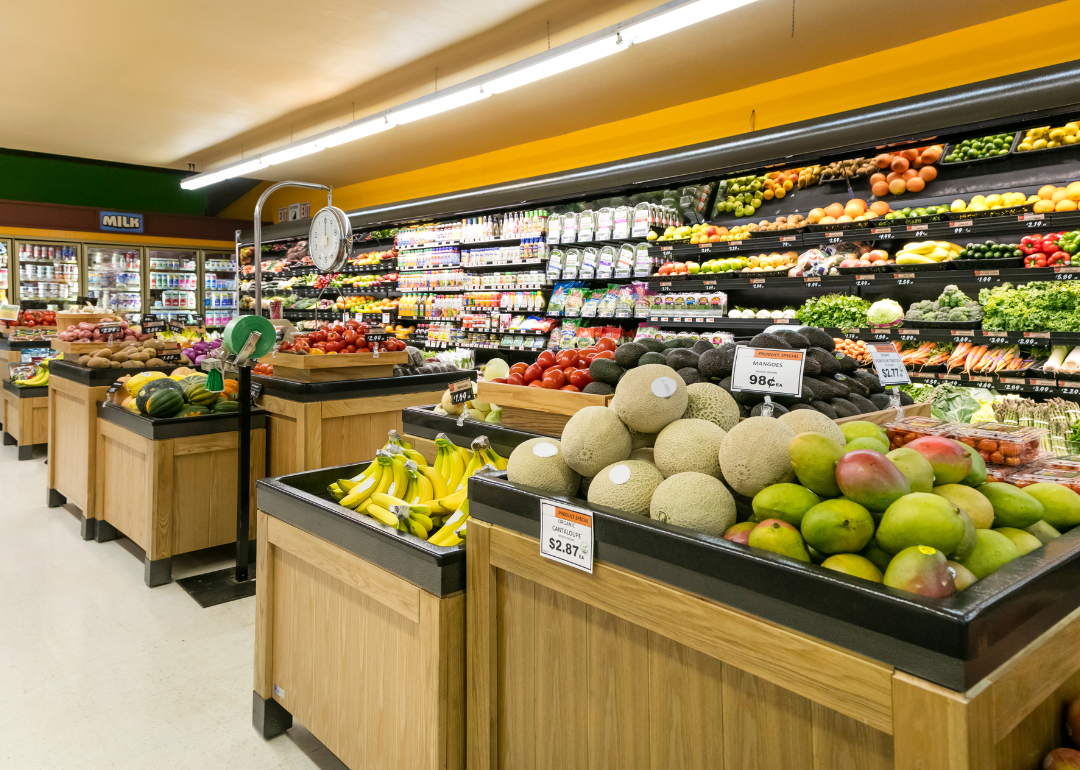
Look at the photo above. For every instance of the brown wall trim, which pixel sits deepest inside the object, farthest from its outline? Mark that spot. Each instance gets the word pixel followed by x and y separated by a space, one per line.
pixel 51 216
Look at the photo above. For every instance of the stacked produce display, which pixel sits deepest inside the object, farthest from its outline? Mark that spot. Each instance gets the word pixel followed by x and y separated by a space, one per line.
pixel 180 394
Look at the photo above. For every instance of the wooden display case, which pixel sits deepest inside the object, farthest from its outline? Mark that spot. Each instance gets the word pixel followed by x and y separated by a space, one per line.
pixel 335 368
pixel 313 425
pixel 359 631
pixel 25 417
pixel 693 653
pixel 73 435
pixel 422 426
pixel 170 485
pixel 537 410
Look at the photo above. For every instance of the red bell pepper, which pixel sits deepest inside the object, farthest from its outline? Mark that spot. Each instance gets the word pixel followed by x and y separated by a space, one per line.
pixel 1030 244
pixel 1058 258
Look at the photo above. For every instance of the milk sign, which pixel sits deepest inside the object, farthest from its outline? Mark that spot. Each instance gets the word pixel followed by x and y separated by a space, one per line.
pixel 121 222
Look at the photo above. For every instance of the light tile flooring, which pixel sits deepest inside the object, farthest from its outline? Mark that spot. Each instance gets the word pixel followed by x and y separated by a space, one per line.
pixel 98 672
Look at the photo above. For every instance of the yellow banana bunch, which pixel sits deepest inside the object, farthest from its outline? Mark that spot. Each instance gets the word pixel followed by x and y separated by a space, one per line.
pixel 924 252
pixel 395 438
pixel 453 531
pixel 396 444
pixel 488 454
pixel 450 462
pixel 395 512
pixel 358 491
pixel 41 377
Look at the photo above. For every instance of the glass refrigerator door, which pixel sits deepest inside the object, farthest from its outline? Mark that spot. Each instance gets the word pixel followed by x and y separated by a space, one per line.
pixel 48 272
pixel 219 271
pixel 173 283
pixel 6 263
pixel 114 277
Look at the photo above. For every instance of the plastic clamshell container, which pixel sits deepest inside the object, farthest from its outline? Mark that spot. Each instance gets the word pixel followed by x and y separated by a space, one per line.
pixel 1070 479
pixel 1067 463
pixel 1002 473
pixel 1001 444
pixel 906 431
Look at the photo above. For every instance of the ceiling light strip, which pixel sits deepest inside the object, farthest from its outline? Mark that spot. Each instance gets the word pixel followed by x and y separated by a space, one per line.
pixel 666 18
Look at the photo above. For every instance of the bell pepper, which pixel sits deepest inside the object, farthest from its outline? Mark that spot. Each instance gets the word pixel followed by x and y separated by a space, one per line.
pixel 1058 258
pixel 1029 244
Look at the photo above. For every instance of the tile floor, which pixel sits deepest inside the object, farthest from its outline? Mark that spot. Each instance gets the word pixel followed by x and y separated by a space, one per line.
pixel 99 672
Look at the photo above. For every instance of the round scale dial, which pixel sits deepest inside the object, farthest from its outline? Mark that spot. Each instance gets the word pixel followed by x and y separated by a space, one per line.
pixel 330 239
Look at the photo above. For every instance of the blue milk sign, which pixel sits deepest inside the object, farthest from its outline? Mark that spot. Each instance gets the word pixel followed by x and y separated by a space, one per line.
pixel 121 222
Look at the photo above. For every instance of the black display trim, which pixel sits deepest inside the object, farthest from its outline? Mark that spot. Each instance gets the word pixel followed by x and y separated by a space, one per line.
pixel 172 427
pixel 310 392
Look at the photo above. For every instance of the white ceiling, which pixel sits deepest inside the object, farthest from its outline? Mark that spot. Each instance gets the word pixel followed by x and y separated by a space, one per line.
pixel 175 81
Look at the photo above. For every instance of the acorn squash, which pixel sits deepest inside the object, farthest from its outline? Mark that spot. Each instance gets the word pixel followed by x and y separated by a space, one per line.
pixel 155 386
pixel 198 394
pixel 192 410
pixel 226 406
pixel 163 402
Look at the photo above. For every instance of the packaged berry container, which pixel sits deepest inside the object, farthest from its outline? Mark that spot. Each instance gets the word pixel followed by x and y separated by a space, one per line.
pixel 906 431
pixel 1001 444
pixel 1069 479
pixel 1069 463
pixel 1002 473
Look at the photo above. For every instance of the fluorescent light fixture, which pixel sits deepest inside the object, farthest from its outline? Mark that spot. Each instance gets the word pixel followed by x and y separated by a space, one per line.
pixel 290 153
pixel 202 180
pixel 435 106
pixel 589 52
pixel 353 132
pixel 244 168
pixel 677 18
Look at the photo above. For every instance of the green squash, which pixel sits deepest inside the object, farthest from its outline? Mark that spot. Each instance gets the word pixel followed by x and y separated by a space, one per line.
pixel 192 410
pixel 163 402
pixel 226 406
pixel 190 380
pixel 198 394
pixel 153 387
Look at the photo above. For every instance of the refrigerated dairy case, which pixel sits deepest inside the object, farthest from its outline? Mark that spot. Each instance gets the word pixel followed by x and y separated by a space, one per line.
pixel 114 278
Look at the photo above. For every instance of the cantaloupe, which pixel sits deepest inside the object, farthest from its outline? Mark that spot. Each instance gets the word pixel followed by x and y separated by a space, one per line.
pixel 645 454
pixel 812 421
pixel 754 455
pixel 539 463
pixel 695 501
pixel 706 401
pixel 689 445
pixel 626 486
pixel 650 397
pixel 594 438
pixel 640 440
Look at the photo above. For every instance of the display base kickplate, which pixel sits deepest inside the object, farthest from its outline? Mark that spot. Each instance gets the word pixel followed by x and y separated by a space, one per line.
pixel 214 588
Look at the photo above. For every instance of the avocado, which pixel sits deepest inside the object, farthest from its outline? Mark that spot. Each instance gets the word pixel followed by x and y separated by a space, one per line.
pixel 811 366
pixel 829 388
pixel 764 340
pixel 680 358
pixel 652 357
pixel 690 375
pixel 825 409
pixel 702 345
pixel 852 384
pixel 864 405
pixel 793 338
pixel 744 410
pixel 844 408
pixel 651 344
pixel 803 406
pixel 847 364
pixel 605 370
pixel 905 399
pixel 598 388
pixel 627 355
pixel 825 360
pixel 869 380
pixel 839 387
pixel 880 400
pixel 716 364
pixel 675 342
pixel 812 389
pixel 818 338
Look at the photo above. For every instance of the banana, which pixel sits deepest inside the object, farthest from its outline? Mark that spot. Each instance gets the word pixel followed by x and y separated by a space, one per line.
pixel 423 521
pixel 395 438
pixel 369 471
pixel 450 503
pixel 379 513
pixel 386 472
pixel 426 489
pixel 386 501
pixel 496 459
pixel 447 534
pixel 457 471
pixel 417 529
pixel 415 456
pixel 438 482
pixel 401 478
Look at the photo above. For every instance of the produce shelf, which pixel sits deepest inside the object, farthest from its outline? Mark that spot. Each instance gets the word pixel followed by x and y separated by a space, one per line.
pixel 1006 382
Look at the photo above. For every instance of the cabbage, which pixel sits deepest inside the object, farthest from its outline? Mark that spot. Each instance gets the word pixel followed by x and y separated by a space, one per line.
pixel 886 312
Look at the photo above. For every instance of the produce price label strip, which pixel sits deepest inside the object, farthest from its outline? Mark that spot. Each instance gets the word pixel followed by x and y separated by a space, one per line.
pixel 566 533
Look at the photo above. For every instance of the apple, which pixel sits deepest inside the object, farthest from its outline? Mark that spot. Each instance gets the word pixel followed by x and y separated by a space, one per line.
pixel 850 263
pixel 877 255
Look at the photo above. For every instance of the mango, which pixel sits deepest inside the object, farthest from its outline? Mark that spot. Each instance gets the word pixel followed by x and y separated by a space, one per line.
pixel 816 556
pixel 871 479
pixel 992 551
pixel 921 519
pixel 915 467
pixel 970 501
pixel 1025 542
pixel 838 526
pixel 1061 759
pixel 967 542
pixel 740 533
pixel 962 576
pixel 921 570
pixel 977 475
pixel 1013 507
pixel 950 462
pixel 856 566
pixel 865 442
pixel 814 458
pixel 863 429
pixel 1043 531
pixel 787 502
pixel 780 538
pixel 1061 506
pixel 877 555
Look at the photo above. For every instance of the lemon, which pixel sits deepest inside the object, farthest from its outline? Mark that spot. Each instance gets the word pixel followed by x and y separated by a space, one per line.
pixel 1057 133
pixel 1070 139
pixel 1039 144
pixel 1023 146
pixel 957 206
pixel 1072 128
pixel 978 199
pixel 993 200
pixel 977 207
pixel 1053 143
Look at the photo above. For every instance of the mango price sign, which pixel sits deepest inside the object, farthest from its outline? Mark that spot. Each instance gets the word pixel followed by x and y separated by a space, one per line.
pixel 768 371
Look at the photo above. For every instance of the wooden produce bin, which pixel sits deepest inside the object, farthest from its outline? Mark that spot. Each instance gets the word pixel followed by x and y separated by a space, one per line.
pixel 359 631
pixel 25 417
pixel 889 415
pixel 422 425
pixel 335 368
pixel 74 394
pixel 314 425
pixel 170 484
pixel 536 410
pixel 685 651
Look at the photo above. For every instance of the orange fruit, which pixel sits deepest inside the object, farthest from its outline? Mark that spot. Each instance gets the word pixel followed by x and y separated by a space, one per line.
pixel 1074 191
pixel 879 177
pixel 928 173
pixel 883 160
pixel 1046 192
pixel 1044 206
pixel 909 175
pixel 826 220
pixel 1065 205
pixel 916 184
pixel 880 190
pixel 898 186
pixel 881 208
pixel 834 210
pixel 899 164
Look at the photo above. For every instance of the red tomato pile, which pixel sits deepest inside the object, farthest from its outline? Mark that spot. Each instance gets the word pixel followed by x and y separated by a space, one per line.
pixel 32 318
pixel 349 337
pixel 565 370
pixel 265 369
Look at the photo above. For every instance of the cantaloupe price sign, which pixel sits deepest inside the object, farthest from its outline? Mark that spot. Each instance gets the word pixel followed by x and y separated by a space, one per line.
pixel 769 371
pixel 566 534
pixel 890 367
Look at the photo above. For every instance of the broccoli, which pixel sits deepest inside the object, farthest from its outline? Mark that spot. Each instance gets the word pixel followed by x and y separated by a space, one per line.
pixel 914 315
pixel 958 314
pixel 942 315
pixel 935 306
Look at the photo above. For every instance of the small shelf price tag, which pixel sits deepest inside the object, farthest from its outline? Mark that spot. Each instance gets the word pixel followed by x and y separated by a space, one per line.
pixel 256 390
pixel 566 534
pixel 108 330
pixel 768 370
pixel 460 391
pixel 151 325
pixel 890 367
pixel 168 357
pixel 176 326
pixel 112 389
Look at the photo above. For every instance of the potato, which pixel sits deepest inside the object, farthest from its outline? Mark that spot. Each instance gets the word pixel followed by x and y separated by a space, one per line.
pixel 103 353
pixel 121 357
pixel 97 362
pixel 83 360
pixel 155 362
pixel 114 364
pixel 133 364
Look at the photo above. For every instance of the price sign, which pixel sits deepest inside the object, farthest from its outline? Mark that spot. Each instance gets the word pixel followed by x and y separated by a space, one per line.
pixel 108 330
pixel 757 283
pixel 112 389
pixel 170 357
pixel 9 312
pixel 196 319
pixel 151 325
pixel 176 326
pixel 769 371
pixel 256 390
pixel 566 534
pixel 386 318
pixel 890 367
pixel 461 391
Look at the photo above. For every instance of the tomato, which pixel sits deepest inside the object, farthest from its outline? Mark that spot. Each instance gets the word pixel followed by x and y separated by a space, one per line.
pixel 319 336
pixel 349 349
pixel 338 328
pixel 566 357
pixel 333 347
pixel 536 384
pixel 571 388
pixel 349 336
pixel 587 351
pixel 361 341
pixel 606 343
pixel 534 372
pixel 515 378
pixel 500 380
pixel 580 378
pixel 352 324
pixel 518 368
pixel 546 359
pixel 605 354
pixel 587 360
pixel 554 378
